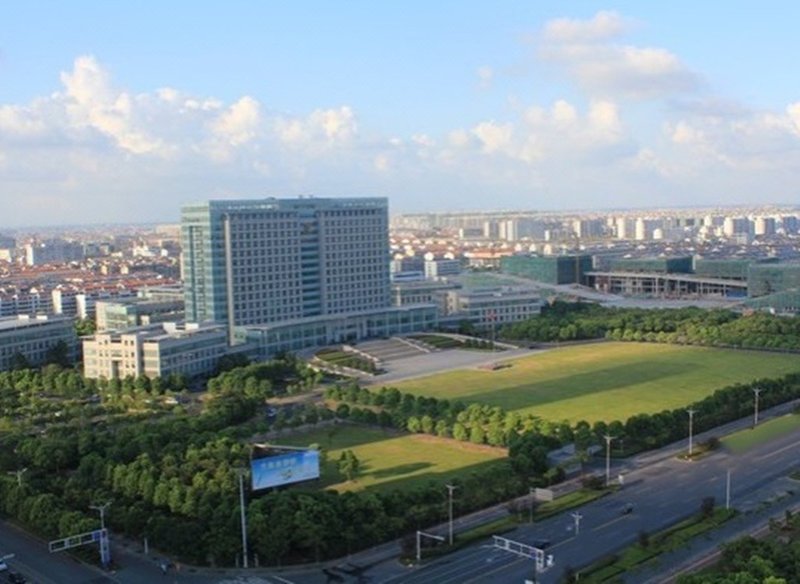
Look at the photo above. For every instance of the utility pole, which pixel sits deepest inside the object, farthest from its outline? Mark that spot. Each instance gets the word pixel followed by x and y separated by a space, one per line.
pixel 608 438
pixel 728 490
pixel 241 473
pixel 18 474
pixel 691 413
pixel 577 517
pixel 450 489
pixel 530 504
pixel 102 509
pixel 756 392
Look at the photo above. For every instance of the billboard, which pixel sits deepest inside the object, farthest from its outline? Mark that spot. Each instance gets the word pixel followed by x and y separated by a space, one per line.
pixel 284 469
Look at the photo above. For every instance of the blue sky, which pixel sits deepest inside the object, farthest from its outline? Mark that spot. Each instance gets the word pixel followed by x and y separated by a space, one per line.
pixel 113 111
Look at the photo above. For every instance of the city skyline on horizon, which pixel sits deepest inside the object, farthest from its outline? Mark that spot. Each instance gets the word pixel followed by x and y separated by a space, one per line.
pixel 456 107
pixel 644 211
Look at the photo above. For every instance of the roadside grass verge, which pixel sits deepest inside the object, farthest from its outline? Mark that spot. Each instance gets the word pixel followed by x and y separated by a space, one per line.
pixel 744 440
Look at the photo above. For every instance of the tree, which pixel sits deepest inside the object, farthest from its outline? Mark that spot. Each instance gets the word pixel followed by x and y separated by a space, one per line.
pixel 85 327
pixel 349 464
pixel 58 354
pixel 707 506
pixel 19 362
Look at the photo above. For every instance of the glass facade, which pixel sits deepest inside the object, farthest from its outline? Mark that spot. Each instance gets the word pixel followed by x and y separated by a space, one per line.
pixel 272 260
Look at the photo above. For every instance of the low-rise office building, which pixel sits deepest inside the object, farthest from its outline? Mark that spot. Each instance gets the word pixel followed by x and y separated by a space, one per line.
pixel 132 312
pixel 155 351
pixel 492 307
pixel 33 337
pixel 566 269
pixel 318 331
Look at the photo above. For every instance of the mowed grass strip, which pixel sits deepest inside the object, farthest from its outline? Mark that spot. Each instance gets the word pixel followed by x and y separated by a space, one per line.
pixel 605 381
pixel 744 440
pixel 389 459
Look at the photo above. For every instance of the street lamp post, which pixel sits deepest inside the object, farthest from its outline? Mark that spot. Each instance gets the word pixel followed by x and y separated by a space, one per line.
pixel 530 504
pixel 728 490
pixel 577 517
pixel 241 473
pixel 102 509
pixel 756 392
pixel 450 489
pixel 691 413
pixel 608 438
pixel 18 474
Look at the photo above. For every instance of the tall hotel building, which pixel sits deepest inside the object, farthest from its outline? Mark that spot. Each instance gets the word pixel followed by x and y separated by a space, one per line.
pixel 256 262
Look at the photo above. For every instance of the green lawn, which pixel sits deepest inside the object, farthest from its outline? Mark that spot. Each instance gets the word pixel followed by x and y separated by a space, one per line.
pixel 605 381
pixel 389 459
pixel 746 439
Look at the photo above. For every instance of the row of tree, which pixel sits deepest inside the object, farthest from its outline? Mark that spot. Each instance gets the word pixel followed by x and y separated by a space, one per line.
pixel 483 424
pixel 284 375
pixel 771 560
pixel 563 321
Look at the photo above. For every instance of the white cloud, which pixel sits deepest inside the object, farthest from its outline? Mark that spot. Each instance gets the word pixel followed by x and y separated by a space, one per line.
pixel 586 51
pixel 320 130
pixel 381 163
pixel 563 113
pixel 92 146
pixel 239 123
pixel 493 137
pixel 485 77
pixel 601 26
pixel 683 133
pixel 21 121
pixel 92 102
pixel 793 111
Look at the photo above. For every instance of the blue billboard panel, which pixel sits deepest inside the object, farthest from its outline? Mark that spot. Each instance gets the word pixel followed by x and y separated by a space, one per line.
pixel 284 469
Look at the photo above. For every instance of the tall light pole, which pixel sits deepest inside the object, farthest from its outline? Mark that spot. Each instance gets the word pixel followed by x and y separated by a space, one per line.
pixel 691 413
pixel 18 474
pixel 530 504
pixel 241 473
pixel 577 517
pixel 450 489
pixel 102 509
pixel 756 392
pixel 608 438
pixel 728 490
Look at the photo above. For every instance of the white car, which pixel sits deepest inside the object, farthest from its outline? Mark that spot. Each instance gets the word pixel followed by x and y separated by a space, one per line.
pixel 3 566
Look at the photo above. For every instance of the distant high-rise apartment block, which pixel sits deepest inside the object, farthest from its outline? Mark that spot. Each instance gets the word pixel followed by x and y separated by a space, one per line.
pixel 735 226
pixel 764 226
pixel 248 262
pixel 53 251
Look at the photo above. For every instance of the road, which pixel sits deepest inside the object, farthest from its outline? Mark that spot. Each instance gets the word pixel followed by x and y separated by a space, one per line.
pixel 661 488
pixel 661 494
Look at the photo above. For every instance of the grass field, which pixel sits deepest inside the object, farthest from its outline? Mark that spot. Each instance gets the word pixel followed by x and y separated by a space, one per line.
pixel 744 440
pixel 389 459
pixel 605 381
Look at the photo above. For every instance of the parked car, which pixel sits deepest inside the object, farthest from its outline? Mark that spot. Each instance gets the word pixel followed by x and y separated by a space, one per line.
pixel 16 578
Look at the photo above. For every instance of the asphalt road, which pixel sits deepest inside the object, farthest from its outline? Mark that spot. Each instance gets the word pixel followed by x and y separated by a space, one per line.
pixel 661 495
pixel 661 488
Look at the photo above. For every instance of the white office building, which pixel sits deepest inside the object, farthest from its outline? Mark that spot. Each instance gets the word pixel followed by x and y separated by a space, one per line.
pixel 155 351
